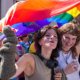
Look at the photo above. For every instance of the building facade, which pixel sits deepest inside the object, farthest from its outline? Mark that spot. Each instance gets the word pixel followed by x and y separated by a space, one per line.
pixel 5 5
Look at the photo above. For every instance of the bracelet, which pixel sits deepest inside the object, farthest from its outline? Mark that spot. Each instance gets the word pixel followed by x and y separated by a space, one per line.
pixel 63 71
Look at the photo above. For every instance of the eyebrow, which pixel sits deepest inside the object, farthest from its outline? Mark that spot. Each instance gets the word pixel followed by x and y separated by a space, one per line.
pixel 69 37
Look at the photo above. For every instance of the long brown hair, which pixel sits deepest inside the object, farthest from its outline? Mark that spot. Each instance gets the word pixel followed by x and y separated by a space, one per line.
pixel 70 28
pixel 38 35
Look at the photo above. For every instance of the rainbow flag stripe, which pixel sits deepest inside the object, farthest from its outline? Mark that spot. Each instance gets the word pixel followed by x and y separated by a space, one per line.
pixel 39 11
pixel 66 16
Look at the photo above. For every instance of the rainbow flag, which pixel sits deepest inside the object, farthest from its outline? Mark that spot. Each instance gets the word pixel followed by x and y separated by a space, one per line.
pixel 39 11
pixel 66 16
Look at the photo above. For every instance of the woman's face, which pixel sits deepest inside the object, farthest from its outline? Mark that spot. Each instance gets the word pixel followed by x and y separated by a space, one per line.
pixel 68 40
pixel 25 39
pixel 49 40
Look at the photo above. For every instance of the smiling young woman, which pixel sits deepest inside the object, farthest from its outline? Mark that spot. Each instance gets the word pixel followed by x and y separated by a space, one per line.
pixel 35 67
pixel 68 55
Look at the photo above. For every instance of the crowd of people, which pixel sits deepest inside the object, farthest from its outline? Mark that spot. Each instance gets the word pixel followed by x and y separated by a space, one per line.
pixel 56 56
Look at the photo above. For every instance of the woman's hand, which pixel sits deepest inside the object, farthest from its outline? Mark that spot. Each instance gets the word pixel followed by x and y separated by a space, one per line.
pixel 72 67
pixel 58 76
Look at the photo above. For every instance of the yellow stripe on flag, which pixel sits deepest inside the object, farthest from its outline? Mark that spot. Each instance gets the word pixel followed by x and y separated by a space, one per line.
pixel 74 12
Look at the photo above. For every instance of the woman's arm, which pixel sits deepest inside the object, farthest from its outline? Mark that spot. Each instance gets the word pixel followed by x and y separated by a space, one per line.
pixel 70 68
pixel 25 63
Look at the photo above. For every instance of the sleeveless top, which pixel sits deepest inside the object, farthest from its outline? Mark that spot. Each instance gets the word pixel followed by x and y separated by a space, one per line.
pixel 41 72
pixel 62 64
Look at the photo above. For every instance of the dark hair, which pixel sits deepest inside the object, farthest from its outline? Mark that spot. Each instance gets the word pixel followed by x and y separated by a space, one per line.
pixel 22 36
pixel 39 34
pixel 70 28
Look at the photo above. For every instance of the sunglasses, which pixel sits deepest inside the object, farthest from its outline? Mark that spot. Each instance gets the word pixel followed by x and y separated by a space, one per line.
pixel 26 37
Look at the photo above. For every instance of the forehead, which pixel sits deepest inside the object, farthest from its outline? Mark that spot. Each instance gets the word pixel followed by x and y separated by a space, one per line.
pixel 51 31
pixel 70 35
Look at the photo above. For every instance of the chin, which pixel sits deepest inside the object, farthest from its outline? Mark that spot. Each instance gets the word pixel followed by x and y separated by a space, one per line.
pixel 68 47
pixel 51 48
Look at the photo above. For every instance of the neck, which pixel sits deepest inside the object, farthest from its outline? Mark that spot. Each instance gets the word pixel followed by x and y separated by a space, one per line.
pixel 46 53
pixel 23 41
pixel 65 51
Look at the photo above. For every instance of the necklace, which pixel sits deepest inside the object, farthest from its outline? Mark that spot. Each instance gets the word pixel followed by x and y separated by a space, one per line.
pixel 65 51
pixel 66 57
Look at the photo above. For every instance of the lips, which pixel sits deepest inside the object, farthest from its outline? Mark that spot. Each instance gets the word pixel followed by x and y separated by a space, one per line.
pixel 52 41
pixel 69 45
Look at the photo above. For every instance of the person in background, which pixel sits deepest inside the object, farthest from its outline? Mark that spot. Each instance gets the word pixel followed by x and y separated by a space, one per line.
pixel 24 42
pixel 68 55
pixel 22 48
pixel 30 37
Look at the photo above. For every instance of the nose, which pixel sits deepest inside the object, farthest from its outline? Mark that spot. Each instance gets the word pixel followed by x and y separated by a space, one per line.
pixel 52 36
pixel 70 41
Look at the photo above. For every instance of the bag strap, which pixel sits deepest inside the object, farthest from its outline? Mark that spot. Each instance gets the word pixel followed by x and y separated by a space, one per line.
pixel 63 75
pixel 52 74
